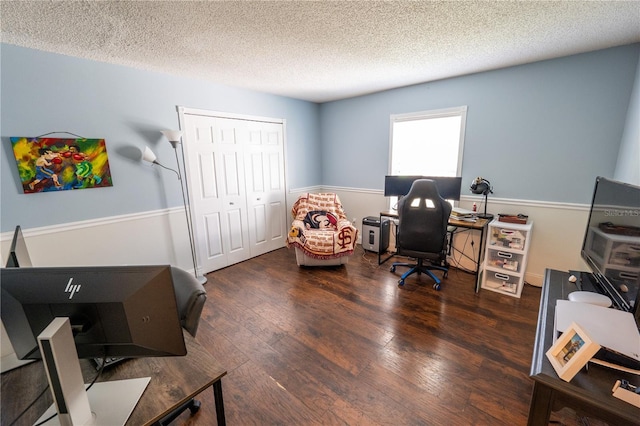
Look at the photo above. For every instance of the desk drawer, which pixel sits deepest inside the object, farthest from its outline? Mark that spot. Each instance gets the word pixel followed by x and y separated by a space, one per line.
pixel 515 239
pixel 501 281
pixel 505 260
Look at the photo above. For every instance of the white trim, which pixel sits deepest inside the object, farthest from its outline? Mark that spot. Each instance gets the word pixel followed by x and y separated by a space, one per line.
pixel 470 198
pixel 285 159
pixel 316 188
pixel 358 190
pixel 434 113
pixel 220 114
pixel 463 129
pixel 156 237
pixel 71 226
pixel 160 237
pixel 84 224
pixel 531 203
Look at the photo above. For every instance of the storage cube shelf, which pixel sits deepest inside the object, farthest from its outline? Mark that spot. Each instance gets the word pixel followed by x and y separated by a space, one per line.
pixel 505 259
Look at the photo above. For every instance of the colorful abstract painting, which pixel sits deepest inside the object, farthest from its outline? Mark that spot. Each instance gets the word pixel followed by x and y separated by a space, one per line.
pixel 55 164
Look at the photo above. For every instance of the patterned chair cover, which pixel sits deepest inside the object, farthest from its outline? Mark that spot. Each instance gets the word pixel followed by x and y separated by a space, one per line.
pixel 320 227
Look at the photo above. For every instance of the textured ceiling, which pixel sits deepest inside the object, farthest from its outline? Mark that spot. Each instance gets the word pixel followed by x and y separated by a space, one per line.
pixel 319 50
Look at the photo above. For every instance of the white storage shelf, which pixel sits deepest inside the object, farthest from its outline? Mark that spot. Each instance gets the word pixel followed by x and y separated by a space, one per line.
pixel 505 259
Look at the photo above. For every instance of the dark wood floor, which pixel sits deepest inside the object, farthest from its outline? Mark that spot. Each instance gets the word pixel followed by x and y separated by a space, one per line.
pixel 346 346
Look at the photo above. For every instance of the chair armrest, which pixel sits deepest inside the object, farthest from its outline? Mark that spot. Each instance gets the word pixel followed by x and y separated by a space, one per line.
pixel 345 223
pixel 192 318
pixel 190 298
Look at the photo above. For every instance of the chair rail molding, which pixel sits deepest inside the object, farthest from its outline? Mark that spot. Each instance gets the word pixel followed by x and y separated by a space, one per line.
pixel 160 237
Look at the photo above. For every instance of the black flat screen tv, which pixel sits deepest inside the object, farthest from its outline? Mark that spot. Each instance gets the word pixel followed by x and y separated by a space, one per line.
pixel 18 253
pixel 611 243
pixel 449 187
pixel 114 311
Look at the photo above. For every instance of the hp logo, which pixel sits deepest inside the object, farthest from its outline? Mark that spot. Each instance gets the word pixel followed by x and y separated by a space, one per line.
pixel 72 288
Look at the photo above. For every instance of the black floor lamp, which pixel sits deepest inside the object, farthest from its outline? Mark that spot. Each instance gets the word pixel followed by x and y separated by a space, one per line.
pixel 174 137
pixel 482 186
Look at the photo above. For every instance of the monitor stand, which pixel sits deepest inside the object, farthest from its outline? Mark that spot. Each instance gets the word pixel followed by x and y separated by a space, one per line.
pixel 106 403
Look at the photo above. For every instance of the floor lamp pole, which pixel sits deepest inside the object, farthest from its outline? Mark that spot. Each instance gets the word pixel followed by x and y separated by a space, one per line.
pixel 187 210
pixel 150 157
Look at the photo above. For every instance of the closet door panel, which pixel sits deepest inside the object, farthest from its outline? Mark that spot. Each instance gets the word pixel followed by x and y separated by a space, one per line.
pixel 259 228
pixel 207 176
pixel 237 229
pixel 231 169
pixel 236 176
pixel 266 196
pixel 213 237
pixel 210 227
pixel 232 139
pixel 276 172
pixel 277 210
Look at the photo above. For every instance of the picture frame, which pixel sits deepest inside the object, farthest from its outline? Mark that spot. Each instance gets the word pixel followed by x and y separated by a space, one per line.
pixel 58 164
pixel 571 351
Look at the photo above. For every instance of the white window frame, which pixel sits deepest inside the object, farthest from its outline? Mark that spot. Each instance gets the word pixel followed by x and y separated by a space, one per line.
pixel 460 111
pixel 439 113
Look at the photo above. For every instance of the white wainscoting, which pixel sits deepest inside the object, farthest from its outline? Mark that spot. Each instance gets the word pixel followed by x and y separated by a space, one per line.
pixel 156 237
pixel 558 228
pixel 160 237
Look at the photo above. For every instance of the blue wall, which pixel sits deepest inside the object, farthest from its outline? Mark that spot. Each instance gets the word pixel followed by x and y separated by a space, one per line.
pixel 541 131
pixel 44 92
pixel 557 123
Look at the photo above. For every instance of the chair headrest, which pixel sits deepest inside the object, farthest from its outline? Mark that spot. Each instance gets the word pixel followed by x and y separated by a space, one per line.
pixel 425 188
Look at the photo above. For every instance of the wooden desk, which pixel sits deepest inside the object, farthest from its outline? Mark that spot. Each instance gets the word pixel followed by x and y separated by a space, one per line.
pixel 589 392
pixel 174 380
pixel 478 225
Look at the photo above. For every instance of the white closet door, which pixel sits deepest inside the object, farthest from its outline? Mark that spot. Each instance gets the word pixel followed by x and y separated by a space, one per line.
pixel 235 170
pixel 264 172
pixel 216 180
pixel 232 136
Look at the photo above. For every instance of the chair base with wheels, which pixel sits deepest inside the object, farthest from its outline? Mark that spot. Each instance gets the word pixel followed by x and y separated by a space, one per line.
pixel 419 268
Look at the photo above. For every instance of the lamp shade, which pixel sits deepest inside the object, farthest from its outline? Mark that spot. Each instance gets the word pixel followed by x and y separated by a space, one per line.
pixel 148 155
pixel 172 135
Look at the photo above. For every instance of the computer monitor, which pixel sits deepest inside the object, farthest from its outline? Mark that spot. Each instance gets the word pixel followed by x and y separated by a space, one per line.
pixel 611 244
pixel 18 256
pixel 18 253
pixel 449 187
pixel 115 311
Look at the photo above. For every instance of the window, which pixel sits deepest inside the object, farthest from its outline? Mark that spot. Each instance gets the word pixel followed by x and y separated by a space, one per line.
pixel 428 143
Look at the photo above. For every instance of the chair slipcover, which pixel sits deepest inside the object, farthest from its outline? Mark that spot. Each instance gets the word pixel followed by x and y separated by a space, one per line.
pixel 320 228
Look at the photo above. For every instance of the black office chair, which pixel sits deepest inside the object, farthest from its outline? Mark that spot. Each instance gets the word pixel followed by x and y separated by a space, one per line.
pixel 190 297
pixel 422 230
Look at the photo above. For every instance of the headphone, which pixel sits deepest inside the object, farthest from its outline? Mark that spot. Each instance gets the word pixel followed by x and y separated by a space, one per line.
pixel 481 186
